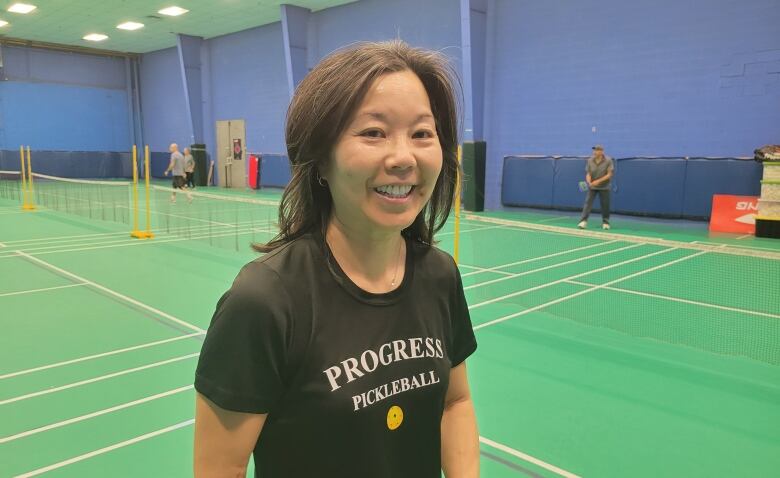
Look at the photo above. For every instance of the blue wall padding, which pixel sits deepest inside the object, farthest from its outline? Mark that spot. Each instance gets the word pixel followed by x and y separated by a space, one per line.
pixel 159 161
pixel 568 173
pixel 72 164
pixel 274 170
pixel 665 187
pixel 707 177
pixel 528 182
pixel 649 187
pixel 63 117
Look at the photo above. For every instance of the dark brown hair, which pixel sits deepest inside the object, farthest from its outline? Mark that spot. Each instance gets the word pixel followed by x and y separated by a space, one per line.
pixel 321 108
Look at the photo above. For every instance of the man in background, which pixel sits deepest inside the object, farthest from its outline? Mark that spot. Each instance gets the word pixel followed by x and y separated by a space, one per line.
pixel 177 167
pixel 189 168
pixel 598 174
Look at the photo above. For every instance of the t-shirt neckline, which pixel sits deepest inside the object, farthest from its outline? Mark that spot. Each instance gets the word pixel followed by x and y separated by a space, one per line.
pixel 384 298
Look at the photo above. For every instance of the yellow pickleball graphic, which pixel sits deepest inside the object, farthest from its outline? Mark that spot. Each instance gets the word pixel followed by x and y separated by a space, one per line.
pixel 395 416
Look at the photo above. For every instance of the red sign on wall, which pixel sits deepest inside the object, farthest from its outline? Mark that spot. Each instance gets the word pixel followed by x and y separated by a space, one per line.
pixel 735 214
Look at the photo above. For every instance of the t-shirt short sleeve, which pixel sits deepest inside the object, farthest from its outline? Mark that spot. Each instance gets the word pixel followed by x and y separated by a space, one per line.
pixel 243 362
pixel 463 341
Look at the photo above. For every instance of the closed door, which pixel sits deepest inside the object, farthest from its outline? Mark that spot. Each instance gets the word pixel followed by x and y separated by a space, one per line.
pixel 231 154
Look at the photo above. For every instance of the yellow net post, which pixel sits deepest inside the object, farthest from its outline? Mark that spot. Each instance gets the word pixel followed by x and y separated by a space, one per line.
pixel 147 174
pixel 135 232
pixel 456 246
pixel 30 205
pixel 23 173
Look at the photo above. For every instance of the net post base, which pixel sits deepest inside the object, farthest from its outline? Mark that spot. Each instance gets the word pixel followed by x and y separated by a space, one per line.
pixel 29 207
pixel 141 235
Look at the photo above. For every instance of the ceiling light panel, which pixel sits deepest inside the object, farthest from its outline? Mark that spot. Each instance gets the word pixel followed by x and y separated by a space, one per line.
pixel 173 11
pixel 21 8
pixel 130 26
pixel 95 37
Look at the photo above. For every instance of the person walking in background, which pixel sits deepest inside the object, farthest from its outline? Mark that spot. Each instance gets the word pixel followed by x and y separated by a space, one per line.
pixel 598 175
pixel 177 167
pixel 189 168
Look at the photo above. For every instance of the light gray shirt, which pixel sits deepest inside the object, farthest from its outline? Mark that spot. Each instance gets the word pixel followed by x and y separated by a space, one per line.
pixel 178 164
pixel 598 170
pixel 189 163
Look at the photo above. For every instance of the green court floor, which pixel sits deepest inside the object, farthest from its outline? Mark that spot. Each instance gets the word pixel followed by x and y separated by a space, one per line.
pixel 600 355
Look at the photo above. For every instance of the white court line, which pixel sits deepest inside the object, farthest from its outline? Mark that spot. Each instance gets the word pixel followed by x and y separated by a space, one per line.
pixel 556 218
pixel 203 231
pixel 30 291
pixel 179 216
pixel 469 230
pixel 479 270
pixel 559 281
pixel 98 413
pixel 684 301
pixel 136 242
pixel 527 458
pixel 746 235
pixel 586 291
pixel 107 449
pixel 108 235
pixel 2 245
pixel 97 379
pixel 731 247
pixel 4 213
pixel 122 234
pixel 111 292
pixel 551 266
pixel 100 355
pixel 502 266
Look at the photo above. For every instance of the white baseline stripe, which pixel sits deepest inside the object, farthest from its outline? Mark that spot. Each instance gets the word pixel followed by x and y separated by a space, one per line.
pixel 586 291
pixel 203 231
pixel 524 261
pixel 98 413
pixel 30 291
pixel 732 247
pixel 557 218
pixel 97 379
pixel 112 292
pixel 136 242
pixel 107 449
pixel 121 234
pixel 548 284
pixel 470 230
pixel 684 301
pixel 100 355
pixel 552 266
pixel 479 270
pixel 124 234
pixel 70 238
pixel 526 457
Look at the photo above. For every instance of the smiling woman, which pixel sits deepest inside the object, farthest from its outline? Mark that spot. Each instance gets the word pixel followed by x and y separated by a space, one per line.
pixel 290 367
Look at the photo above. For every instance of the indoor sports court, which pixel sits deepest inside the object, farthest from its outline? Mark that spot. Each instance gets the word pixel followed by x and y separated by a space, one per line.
pixel 648 349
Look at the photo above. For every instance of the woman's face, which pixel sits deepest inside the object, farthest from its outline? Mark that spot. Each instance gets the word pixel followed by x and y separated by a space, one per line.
pixel 385 164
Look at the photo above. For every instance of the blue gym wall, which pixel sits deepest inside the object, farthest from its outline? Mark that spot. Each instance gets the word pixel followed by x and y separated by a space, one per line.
pixel 655 77
pixel 248 81
pixel 433 24
pixel 57 101
pixel 163 108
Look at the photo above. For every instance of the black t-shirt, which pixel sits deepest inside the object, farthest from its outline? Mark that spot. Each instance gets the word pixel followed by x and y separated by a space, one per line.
pixel 353 383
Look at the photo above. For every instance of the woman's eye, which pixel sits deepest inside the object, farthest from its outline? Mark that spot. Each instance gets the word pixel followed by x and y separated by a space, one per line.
pixel 373 133
pixel 423 134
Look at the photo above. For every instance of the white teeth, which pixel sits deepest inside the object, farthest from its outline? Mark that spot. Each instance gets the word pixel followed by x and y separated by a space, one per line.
pixel 395 191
